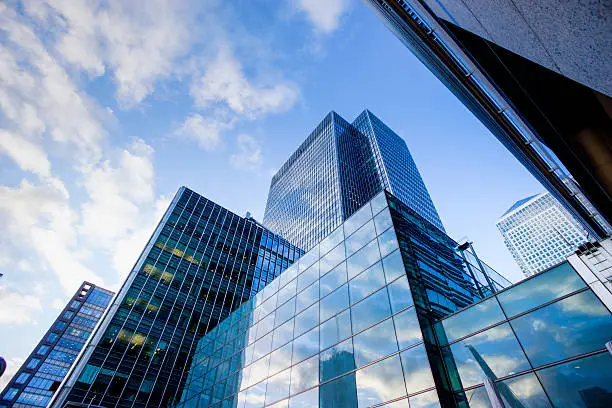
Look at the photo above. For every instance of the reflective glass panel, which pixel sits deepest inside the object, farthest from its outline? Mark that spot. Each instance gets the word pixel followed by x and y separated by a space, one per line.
pixel 427 399
pixel 262 346
pixel 256 395
pixel 305 375
pixel 334 302
pixel 400 294
pixel 306 399
pixel 308 277
pixel 341 392
pixel 470 320
pixel 572 326
pixel 407 328
pixel 335 329
pixel 378 203
pixel 403 403
pixel 356 220
pixel 364 258
pixel 367 282
pixel 337 360
pixel 308 296
pixel 526 389
pixel 387 242
pixel 305 346
pixel 380 382
pixel 307 320
pixel 540 289
pixel 374 343
pixel 278 386
pixel 287 292
pixel 333 279
pixel 496 347
pixel 370 310
pixel 283 334
pixel 285 312
pixel 416 369
pixel 308 259
pixel 362 236
pixel 383 221
pixel 265 325
pixel 331 241
pixel 288 274
pixel 393 266
pixel 583 383
pixel 280 358
pixel 332 259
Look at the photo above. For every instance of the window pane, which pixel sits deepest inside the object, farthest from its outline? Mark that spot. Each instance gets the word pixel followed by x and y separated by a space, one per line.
pixel 356 220
pixel 334 303
pixel 407 328
pixel 361 237
pixel 307 399
pixel 416 369
pixel 543 288
pixel 305 375
pixel 342 392
pixel 469 320
pixel 580 384
pixel 308 277
pixel 383 221
pixel 278 387
pixel 287 292
pixel 400 294
pixel 280 358
pixel 305 346
pixel 283 334
pixel 496 347
pixel 370 310
pixel 374 343
pixel 307 297
pixel 378 203
pixel 256 395
pixel 367 282
pixel 285 312
pixel 333 279
pixel 307 320
pixel 337 360
pixel 393 266
pixel 380 382
pixel 387 242
pixel 262 346
pixel 333 258
pixel 361 260
pixel 288 274
pixel 335 329
pixel 427 399
pixel 332 241
pixel 526 389
pixel 572 326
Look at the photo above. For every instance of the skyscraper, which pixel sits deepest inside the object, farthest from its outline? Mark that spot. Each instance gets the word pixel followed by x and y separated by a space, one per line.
pixel 540 233
pixel 201 263
pixel 537 74
pixel 336 170
pixel 42 372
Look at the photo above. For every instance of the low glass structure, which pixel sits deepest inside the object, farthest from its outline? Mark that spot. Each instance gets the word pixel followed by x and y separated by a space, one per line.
pixel 345 325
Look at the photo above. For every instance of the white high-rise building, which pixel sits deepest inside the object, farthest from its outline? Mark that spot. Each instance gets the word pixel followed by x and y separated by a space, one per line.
pixel 540 233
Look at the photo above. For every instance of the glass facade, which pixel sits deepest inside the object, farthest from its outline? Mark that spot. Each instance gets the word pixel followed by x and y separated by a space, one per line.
pixel 339 328
pixel 339 168
pixel 540 233
pixel 43 371
pixel 201 263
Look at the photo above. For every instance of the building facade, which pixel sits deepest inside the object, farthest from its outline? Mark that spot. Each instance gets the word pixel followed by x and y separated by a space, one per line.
pixel 537 75
pixel 540 233
pixel 42 372
pixel 343 327
pixel 338 169
pixel 374 316
pixel 201 263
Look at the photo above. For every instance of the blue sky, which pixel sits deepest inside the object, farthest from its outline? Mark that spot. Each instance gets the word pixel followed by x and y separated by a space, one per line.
pixel 106 108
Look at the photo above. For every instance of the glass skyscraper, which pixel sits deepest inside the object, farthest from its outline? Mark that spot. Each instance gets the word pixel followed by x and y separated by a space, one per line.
pixel 385 311
pixel 337 169
pixel 42 372
pixel 540 233
pixel 200 264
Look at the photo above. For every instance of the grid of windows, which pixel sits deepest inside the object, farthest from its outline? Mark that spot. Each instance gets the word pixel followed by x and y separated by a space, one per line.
pixel 540 233
pixel 202 262
pixel 338 328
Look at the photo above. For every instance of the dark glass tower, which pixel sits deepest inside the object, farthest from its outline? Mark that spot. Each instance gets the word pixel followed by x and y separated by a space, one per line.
pixel 201 263
pixel 45 368
pixel 537 74
pixel 338 169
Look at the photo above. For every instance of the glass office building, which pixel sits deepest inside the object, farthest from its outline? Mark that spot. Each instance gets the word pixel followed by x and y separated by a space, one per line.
pixel 201 263
pixel 42 372
pixel 339 168
pixel 540 233
pixel 344 326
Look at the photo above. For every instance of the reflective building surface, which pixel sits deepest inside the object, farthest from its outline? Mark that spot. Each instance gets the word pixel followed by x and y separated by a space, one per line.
pixel 344 326
pixel 338 169
pixel 537 74
pixel 201 263
pixel 540 233
pixel 42 372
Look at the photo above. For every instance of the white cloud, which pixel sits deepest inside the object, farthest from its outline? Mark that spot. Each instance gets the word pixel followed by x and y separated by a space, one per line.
pixel 249 153
pixel 204 130
pixel 324 15
pixel 27 155
pixel 12 365
pixel 17 308
pixel 58 304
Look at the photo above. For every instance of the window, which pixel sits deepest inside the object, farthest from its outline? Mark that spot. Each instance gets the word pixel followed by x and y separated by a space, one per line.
pixel 22 378
pixel 42 350
pixel 51 337
pixel 10 394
